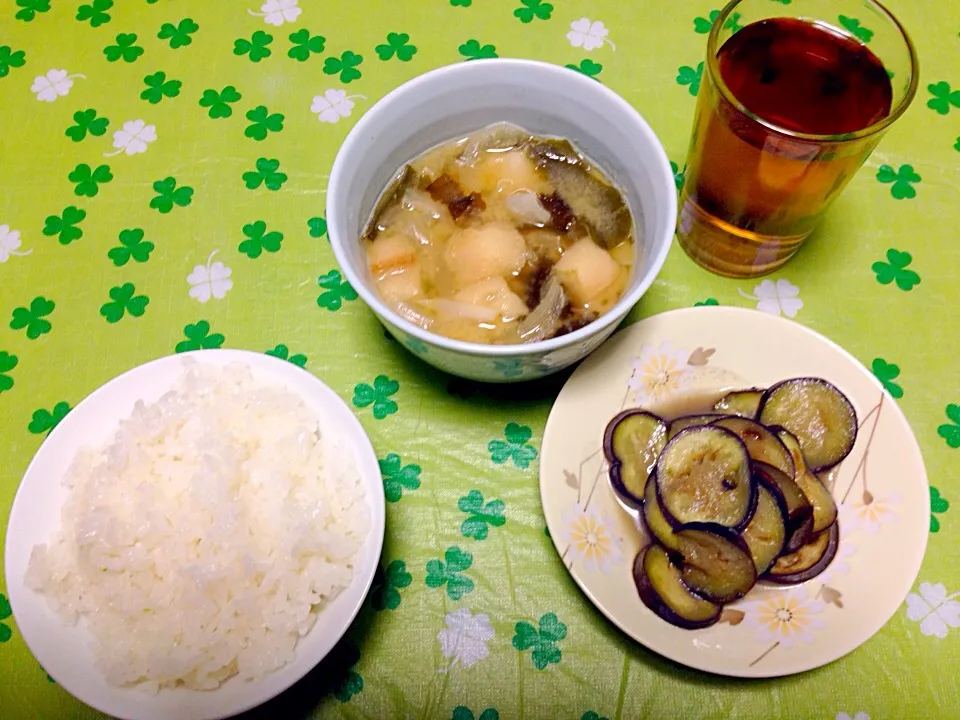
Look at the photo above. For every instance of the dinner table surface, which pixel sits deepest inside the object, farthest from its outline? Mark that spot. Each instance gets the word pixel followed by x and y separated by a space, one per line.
pixel 163 173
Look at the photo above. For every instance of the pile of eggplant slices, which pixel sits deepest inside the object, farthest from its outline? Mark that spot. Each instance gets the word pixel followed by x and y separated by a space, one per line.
pixel 732 496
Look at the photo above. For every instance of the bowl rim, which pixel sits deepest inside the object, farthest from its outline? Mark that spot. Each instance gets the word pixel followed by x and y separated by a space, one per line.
pixel 355 142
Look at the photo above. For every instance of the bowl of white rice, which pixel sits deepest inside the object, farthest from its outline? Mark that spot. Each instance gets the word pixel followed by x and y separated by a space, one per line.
pixel 195 536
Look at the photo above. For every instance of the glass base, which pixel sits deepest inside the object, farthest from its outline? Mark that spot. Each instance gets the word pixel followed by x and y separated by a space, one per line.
pixel 728 250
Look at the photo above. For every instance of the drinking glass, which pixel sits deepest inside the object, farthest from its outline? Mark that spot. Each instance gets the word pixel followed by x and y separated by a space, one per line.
pixel 755 189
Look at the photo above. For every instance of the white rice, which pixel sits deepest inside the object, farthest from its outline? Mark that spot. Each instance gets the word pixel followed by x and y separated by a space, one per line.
pixel 201 541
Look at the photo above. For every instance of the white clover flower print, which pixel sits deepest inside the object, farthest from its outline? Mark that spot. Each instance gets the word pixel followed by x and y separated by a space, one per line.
pixel 210 281
pixel 10 244
pixel 133 138
pixel 858 716
pixel 465 638
pixel 333 105
pixel 776 298
pixel 277 12
pixel 785 617
pixel 934 609
pixel 591 540
pixel 588 35
pixel 56 83
pixel 658 371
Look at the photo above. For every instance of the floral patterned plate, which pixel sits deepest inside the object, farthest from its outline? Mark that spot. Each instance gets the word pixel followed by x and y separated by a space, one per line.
pixel 664 363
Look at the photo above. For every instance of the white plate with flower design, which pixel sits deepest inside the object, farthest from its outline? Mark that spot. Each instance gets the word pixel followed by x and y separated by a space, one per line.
pixel 670 362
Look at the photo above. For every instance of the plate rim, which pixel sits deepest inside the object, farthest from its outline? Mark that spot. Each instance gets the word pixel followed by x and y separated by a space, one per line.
pixel 353 432
pixel 747 673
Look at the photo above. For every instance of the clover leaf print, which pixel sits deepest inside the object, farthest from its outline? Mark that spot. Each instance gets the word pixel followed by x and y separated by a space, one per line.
pixel 282 352
pixel 10 59
pixel 397 46
pixel 515 448
pixel 709 302
pixel 951 431
pixel 56 83
pixel 318 227
pixel 853 26
pixel 304 44
pixel 378 395
pixel 10 244
pixel 95 13
pixel 258 240
pixel 333 105
pixel 543 640
pixel 776 298
pixel 533 9
pixel 466 637
pixel 256 48
pixel 687 75
pixel 33 318
pixel 8 362
pixel 169 195
pixel 266 174
pixel 211 280
pixel 943 97
pixel 132 247
pixel 133 138
pixel 199 337
pixel 481 517
pixel 125 49
pixel 461 3
pixel 277 12
pixel 44 421
pixel 158 87
pixel 473 50
pixel 592 715
pixel 123 300
pixel 5 614
pixel 64 226
pixel 31 8
pixel 461 712
pixel 936 611
pixel 886 373
pixel 179 35
pixel 219 102
pixel 448 572
pixel 902 181
pixel 336 291
pixel 588 35
pixel 386 587
pixel 587 67
pixel 398 477
pixel 679 176
pixel 89 180
pixel 346 66
pixel 895 270
pixel 262 122
pixel 86 121
pixel 938 506
pixel 702 25
pixel 509 368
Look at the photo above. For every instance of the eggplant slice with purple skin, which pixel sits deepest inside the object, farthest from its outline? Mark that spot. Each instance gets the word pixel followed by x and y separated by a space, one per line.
pixel 762 444
pixel 661 588
pixel 704 476
pixel 808 561
pixel 743 403
pixel 824 506
pixel 817 414
pixel 766 535
pixel 657 524
pixel 716 563
pixel 799 510
pixel 688 421
pixel 632 443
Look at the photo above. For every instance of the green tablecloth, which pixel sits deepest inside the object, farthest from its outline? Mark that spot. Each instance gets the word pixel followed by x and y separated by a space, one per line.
pixel 162 181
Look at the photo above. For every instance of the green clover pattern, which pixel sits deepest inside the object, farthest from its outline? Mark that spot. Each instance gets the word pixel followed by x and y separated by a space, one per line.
pixel 379 396
pixel 886 373
pixel 5 614
pixel 267 174
pixel 345 66
pixel 303 45
pixel 262 123
pixel 282 352
pixel 33 319
pixel 199 337
pixel 123 300
pixel 89 180
pixel 449 573
pixel 44 421
pixel 218 103
pixel 30 8
pixel 938 506
pixel 516 447
pixel 95 13
pixel 64 225
pixel 901 181
pixel 542 640
pixel 125 49
pixel 943 97
pixel 132 247
pixel 951 431
pixel 481 516
pixel 259 240
pixel 387 586
pixel 473 50
pixel 853 26
pixel 336 291
pixel 256 48
pixel 398 477
pixel 179 35
pixel 587 67
pixel 8 362
pixel 86 121
pixel 462 712
pixel 169 195
pixel 531 10
pixel 9 58
pixel 159 87
pixel 895 269
pixel 690 77
pixel 317 226
pixel 398 46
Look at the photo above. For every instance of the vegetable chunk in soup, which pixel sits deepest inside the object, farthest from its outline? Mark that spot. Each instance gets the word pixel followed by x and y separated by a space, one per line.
pixel 501 237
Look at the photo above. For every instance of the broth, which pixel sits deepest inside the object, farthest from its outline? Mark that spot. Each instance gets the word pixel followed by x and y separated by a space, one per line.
pixel 501 237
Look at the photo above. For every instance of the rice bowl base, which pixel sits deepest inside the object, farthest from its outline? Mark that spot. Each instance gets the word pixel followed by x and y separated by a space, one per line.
pixel 66 652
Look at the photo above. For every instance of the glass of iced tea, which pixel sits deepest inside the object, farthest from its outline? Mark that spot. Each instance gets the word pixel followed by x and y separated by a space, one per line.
pixel 794 98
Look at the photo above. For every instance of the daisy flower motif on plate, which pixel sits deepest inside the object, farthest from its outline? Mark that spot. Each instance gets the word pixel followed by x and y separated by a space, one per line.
pixel 658 371
pixel 785 617
pixel 870 513
pixel 591 539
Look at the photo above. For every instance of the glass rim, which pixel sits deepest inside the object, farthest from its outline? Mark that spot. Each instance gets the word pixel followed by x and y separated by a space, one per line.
pixel 713 67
